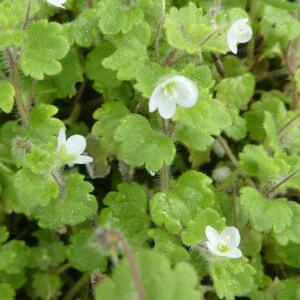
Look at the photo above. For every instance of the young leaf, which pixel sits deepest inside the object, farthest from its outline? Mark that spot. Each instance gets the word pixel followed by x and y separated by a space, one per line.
pixel 6 292
pixel 7 93
pixel 14 257
pixel 46 285
pixel 126 211
pixel 75 205
pixel 83 256
pixel 117 15
pixel 159 281
pixel 236 91
pixel 141 145
pixel 176 208
pixel 266 215
pixel 169 245
pixel 42 49
pixel 195 231
pixel 231 277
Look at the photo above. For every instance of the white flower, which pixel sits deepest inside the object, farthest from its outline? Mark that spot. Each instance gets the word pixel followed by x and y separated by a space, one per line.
pixel 225 243
pixel 57 3
pixel 220 174
pixel 239 32
pixel 74 145
pixel 175 90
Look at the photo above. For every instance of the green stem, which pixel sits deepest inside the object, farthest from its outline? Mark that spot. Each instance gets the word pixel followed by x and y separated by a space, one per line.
pixel 63 268
pixel 13 65
pixel 159 30
pixel 164 177
pixel 251 44
pixel 76 287
pixel 133 268
pixel 281 182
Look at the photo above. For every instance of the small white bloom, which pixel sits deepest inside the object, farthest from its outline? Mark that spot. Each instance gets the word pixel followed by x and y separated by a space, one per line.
pixel 175 90
pixel 239 32
pixel 57 3
pixel 74 145
pixel 220 174
pixel 225 243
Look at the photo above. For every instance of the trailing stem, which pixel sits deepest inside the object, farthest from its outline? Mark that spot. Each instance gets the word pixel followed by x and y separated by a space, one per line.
pixel 281 182
pixel 251 44
pixel 13 65
pixel 159 29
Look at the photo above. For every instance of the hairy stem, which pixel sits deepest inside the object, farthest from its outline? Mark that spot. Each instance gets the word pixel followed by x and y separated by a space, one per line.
pixel 234 206
pixel 25 24
pixel 76 287
pixel 251 44
pixel 133 268
pixel 13 65
pixel 286 125
pixel 89 3
pixel 228 151
pixel 159 30
pixel 281 182
pixel 164 178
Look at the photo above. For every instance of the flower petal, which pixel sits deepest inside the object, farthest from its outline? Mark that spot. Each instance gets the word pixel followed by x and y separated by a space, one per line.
pixel 246 35
pixel 57 3
pixel 187 92
pixel 166 107
pixel 232 236
pixel 213 249
pixel 61 139
pixel 156 94
pixel 76 144
pixel 83 159
pixel 232 40
pixel 212 235
pixel 234 253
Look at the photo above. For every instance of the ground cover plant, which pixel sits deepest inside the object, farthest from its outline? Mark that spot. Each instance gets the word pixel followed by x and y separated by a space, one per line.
pixel 149 149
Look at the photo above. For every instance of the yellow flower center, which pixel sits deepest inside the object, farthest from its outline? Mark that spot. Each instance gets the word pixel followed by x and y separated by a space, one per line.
pixel 169 90
pixel 223 247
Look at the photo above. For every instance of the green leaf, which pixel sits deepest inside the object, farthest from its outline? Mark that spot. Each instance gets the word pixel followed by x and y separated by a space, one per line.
pixel 4 234
pixel 238 129
pixel 108 117
pixel 34 190
pixel 103 78
pixel 6 292
pixel 42 126
pixel 84 29
pixel 288 289
pixel 261 280
pixel 169 245
pixel 42 49
pixel 207 115
pixel 266 215
pixel 189 195
pixel 282 4
pixel 255 117
pixel 141 145
pixel 7 94
pixel 49 253
pixel 14 257
pixel 236 91
pixel 83 256
pixel 271 132
pixel 117 15
pixel 255 161
pixel 159 281
pixel 195 231
pixel 126 211
pixel 231 277
pixel 187 29
pixel 71 73
pixel 74 207
pixel 46 285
